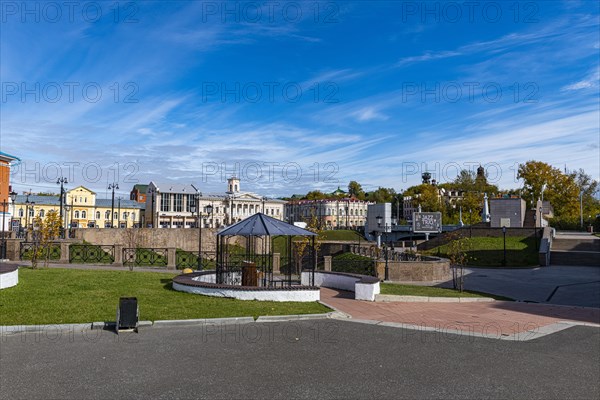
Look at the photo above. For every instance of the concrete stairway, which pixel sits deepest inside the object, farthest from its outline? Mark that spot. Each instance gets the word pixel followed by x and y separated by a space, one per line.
pixel 575 249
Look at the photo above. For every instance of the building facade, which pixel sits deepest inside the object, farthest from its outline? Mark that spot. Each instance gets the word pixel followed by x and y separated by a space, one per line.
pixel 169 205
pixel 6 160
pixel 335 213
pixel 81 209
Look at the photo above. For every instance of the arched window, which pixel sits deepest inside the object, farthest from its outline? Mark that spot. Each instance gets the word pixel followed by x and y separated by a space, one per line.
pixel 42 213
pixel 124 215
pixel 77 214
pixel 116 215
pixel 107 215
pixel 83 214
pixel 97 214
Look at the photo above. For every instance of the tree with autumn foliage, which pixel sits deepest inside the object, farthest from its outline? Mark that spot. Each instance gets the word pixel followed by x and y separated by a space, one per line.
pixel 560 189
pixel 44 231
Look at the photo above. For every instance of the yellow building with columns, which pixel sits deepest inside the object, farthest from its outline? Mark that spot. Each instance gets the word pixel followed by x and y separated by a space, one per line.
pixel 81 209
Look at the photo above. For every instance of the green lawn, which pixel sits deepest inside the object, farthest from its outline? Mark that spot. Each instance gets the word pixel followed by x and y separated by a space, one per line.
pixel 53 296
pixel 414 290
pixel 343 234
pixel 489 252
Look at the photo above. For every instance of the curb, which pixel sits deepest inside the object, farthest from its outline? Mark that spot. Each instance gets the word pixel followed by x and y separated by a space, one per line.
pixel 388 298
pixel 12 329
pixel 299 317
pixel 192 322
pixel 99 325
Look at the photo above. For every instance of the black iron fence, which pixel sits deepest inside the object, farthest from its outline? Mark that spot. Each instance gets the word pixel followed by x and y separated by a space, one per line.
pixel 91 254
pixel 28 250
pixel 189 259
pixel 146 257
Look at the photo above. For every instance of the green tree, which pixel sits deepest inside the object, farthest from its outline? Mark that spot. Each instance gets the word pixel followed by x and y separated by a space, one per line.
pixel 381 195
pixel 427 196
pixel 356 190
pixel 472 206
pixel 316 195
pixel 588 188
pixel 465 181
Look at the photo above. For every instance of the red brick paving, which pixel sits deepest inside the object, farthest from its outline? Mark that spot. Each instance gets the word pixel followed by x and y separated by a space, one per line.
pixel 498 317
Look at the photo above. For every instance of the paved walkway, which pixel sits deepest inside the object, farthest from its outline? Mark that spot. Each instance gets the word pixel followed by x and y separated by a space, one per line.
pixel 500 318
pixel 566 285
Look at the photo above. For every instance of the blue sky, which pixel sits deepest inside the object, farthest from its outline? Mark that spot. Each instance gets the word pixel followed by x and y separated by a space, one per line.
pixel 296 96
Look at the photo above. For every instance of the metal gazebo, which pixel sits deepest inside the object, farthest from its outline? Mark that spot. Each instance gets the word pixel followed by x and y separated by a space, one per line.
pixel 252 265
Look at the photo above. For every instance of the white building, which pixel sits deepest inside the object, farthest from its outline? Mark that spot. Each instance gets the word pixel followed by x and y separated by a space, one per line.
pixel 347 213
pixel 169 205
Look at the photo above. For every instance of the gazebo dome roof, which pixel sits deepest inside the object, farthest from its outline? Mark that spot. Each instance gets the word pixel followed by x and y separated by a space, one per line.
pixel 262 225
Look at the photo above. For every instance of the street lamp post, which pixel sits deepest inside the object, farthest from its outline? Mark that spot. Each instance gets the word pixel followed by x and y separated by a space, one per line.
pixel 13 197
pixel 347 215
pixel 387 271
pixel 535 230
pixel 119 213
pixel 62 181
pixel 504 237
pixel 28 205
pixel 581 209
pixel 112 187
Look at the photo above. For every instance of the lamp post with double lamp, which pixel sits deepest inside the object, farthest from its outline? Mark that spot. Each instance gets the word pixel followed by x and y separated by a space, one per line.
pixel 29 205
pixel 62 181
pixel 379 219
pixel 112 187
pixel 504 237
pixel 13 197
pixel 197 209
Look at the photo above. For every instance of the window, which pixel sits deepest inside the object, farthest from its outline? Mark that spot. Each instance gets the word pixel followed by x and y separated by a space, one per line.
pixel 97 214
pixel 178 202
pixel 20 212
pixel 107 215
pixel 77 214
pixel 85 200
pixel 164 202
pixel 125 215
pixel 189 200
pixel 116 215
pixel 42 212
pixel 84 214
pixel 31 212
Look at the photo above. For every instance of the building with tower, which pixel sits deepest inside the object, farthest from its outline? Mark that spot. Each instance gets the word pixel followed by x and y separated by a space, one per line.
pixel 169 205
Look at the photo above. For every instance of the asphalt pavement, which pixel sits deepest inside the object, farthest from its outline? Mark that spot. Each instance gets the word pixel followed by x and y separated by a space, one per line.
pixel 303 359
pixel 565 285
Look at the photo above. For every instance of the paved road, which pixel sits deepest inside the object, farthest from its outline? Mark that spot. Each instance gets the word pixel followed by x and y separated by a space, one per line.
pixel 578 286
pixel 308 359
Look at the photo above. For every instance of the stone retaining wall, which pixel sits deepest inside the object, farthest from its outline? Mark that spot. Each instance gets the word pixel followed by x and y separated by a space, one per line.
pixel 416 271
